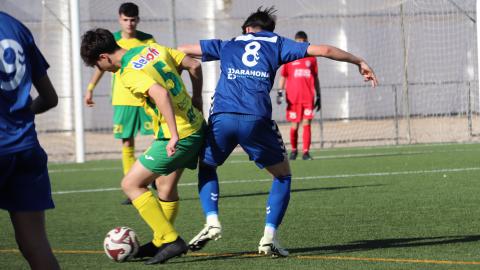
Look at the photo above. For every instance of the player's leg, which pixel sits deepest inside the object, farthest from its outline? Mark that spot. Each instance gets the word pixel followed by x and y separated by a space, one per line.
pixel 31 237
pixel 168 193
pixel 277 205
pixel 307 116
pixel 126 122
pixel 155 162
pixel 168 200
pixel 265 146
pixel 128 159
pixel 135 186
pixel 219 143
pixel 307 138
pixel 294 117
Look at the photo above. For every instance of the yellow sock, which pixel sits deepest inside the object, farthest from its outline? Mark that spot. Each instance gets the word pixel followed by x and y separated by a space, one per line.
pixel 170 209
pixel 151 212
pixel 128 158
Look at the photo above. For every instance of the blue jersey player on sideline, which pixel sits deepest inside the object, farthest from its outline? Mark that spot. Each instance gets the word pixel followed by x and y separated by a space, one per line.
pixel 241 115
pixel 24 182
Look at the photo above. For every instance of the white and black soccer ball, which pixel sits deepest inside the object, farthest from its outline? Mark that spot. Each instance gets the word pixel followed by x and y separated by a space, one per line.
pixel 120 244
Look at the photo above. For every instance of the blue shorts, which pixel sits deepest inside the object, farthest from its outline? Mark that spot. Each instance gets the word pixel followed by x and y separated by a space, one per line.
pixel 259 137
pixel 24 181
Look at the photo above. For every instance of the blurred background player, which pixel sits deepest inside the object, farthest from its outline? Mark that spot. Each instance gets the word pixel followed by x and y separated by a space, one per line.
pixel 152 73
pixel 242 114
pixel 24 182
pixel 128 113
pixel 300 79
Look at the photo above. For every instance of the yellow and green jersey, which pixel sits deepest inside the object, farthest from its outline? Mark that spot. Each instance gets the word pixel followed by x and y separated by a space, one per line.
pixel 144 66
pixel 120 95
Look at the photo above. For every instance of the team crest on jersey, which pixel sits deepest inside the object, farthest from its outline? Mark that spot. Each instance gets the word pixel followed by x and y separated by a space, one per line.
pixel 12 64
pixel 151 54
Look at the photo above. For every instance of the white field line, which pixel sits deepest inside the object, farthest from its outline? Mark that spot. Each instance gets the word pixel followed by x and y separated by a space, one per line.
pixel 315 157
pixel 317 177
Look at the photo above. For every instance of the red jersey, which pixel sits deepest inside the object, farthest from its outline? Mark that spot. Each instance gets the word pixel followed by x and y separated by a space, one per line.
pixel 300 80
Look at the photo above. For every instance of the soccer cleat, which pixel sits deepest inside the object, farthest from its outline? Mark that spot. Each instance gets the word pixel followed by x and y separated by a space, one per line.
pixel 209 232
pixel 293 155
pixel 272 248
pixel 127 201
pixel 306 156
pixel 146 250
pixel 169 250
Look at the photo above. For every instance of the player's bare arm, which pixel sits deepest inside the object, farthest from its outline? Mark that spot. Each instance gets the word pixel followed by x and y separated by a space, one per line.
pixel 47 97
pixel 337 54
pixel 192 50
pixel 194 69
pixel 162 99
pixel 318 104
pixel 97 75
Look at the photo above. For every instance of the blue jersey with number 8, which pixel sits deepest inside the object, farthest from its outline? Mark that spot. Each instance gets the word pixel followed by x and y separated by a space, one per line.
pixel 248 65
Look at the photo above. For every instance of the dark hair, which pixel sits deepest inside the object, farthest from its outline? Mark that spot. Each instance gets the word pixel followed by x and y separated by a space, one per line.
pixel 265 19
pixel 96 42
pixel 128 9
pixel 301 35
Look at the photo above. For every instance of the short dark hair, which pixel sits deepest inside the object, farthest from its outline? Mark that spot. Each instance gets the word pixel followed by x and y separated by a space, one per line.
pixel 128 9
pixel 301 35
pixel 96 42
pixel 265 19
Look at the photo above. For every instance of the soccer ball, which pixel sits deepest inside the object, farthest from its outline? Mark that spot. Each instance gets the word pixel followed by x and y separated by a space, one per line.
pixel 121 244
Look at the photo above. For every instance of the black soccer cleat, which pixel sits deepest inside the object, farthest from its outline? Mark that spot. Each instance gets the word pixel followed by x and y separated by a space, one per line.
pixel 169 250
pixel 146 250
pixel 306 156
pixel 293 155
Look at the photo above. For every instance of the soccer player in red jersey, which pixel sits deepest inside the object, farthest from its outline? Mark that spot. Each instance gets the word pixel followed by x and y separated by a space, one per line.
pixel 300 80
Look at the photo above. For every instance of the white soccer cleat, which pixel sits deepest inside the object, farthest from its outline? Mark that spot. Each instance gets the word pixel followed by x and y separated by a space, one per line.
pixel 272 248
pixel 209 232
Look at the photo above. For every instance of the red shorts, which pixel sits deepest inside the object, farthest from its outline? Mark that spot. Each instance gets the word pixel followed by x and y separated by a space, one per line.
pixel 297 112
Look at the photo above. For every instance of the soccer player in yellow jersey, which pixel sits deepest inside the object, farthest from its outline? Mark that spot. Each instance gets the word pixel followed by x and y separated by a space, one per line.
pixel 151 73
pixel 128 113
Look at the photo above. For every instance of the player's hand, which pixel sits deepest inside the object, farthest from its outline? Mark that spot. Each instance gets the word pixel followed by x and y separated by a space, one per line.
pixel 197 102
pixel 89 99
pixel 318 104
pixel 279 96
pixel 171 146
pixel 367 73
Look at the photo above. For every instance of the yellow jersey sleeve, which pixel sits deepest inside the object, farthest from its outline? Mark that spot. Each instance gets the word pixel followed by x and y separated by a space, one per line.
pixel 177 56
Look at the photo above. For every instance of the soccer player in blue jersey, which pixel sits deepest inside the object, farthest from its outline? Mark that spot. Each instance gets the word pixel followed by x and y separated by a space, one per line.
pixel 241 114
pixel 24 182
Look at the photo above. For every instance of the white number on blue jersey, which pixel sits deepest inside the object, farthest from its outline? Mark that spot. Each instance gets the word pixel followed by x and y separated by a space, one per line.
pixel 250 57
pixel 12 62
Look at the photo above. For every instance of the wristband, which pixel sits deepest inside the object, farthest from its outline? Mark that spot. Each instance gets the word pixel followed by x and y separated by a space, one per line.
pixel 90 87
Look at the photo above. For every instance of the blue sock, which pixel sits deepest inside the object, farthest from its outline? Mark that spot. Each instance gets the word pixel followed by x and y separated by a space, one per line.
pixel 208 189
pixel 278 200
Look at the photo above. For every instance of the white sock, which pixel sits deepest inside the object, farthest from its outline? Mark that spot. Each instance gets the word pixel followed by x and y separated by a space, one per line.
pixel 269 232
pixel 212 220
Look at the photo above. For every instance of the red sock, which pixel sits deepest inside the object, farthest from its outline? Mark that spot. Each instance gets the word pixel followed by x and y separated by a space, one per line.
pixel 307 138
pixel 293 138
